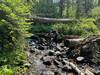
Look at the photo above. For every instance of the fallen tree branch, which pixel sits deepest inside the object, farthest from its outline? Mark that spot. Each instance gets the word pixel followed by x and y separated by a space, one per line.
pixel 74 67
pixel 51 20
pixel 87 72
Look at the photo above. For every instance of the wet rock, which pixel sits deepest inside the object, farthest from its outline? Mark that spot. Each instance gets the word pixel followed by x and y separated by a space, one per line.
pixel 58 64
pixel 47 60
pixel 47 73
pixel 57 73
pixel 41 47
pixel 33 43
pixel 59 47
pixel 32 51
pixel 34 40
pixel 54 35
pixel 98 73
pixel 27 65
pixel 86 51
pixel 58 53
pixel 67 68
pixel 47 63
pixel 51 53
pixel 79 59
pixel 63 63
pixel 72 53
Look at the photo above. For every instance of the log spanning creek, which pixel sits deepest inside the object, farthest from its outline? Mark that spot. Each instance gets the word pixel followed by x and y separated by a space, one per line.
pixel 70 55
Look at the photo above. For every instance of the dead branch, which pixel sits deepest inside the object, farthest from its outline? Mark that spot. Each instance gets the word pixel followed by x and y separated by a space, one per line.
pixel 74 67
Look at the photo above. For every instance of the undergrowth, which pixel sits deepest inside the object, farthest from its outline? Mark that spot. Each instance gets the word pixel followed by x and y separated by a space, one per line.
pixel 83 28
pixel 12 63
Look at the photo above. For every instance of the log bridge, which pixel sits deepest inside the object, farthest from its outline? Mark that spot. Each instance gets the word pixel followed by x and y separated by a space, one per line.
pixel 51 20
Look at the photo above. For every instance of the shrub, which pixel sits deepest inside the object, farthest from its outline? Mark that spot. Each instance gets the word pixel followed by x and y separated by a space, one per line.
pixel 95 12
pixel 4 70
pixel 40 28
pixel 13 30
pixel 85 28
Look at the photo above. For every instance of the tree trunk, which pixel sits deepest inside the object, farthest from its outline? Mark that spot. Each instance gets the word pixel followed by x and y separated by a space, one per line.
pixel 61 7
pixel 51 20
pixel 98 2
pixel 68 5
pixel 78 11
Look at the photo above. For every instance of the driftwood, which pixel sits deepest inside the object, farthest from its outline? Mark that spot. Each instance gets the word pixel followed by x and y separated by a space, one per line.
pixel 74 67
pixel 51 20
pixel 87 72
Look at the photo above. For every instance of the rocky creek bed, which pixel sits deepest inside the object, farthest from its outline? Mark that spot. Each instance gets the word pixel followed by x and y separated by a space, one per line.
pixel 48 57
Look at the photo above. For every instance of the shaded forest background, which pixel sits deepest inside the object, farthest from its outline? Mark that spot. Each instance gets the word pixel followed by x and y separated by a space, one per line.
pixel 67 8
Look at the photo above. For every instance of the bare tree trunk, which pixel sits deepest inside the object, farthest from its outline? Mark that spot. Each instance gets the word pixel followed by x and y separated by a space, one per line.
pixel 61 7
pixel 68 5
pixel 78 11
pixel 98 2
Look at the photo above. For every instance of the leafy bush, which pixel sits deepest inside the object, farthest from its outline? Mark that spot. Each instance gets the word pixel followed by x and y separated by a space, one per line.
pixel 95 12
pixel 40 28
pixel 13 31
pixel 6 71
pixel 13 60
pixel 97 22
pixel 85 28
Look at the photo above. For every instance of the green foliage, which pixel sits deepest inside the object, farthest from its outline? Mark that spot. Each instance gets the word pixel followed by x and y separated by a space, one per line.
pixel 38 28
pixel 5 70
pixel 95 12
pixel 45 8
pixel 14 62
pixel 86 28
pixel 97 22
pixel 68 29
pixel 13 31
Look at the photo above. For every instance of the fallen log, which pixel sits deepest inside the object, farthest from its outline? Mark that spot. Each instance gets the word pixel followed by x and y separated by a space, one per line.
pixel 74 67
pixel 87 72
pixel 51 20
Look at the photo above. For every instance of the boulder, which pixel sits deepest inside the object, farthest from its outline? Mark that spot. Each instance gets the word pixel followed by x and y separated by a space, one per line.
pixel 47 60
pixel 27 65
pixel 51 52
pixel 57 63
pixel 80 58
pixel 41 47
pixel 67 68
